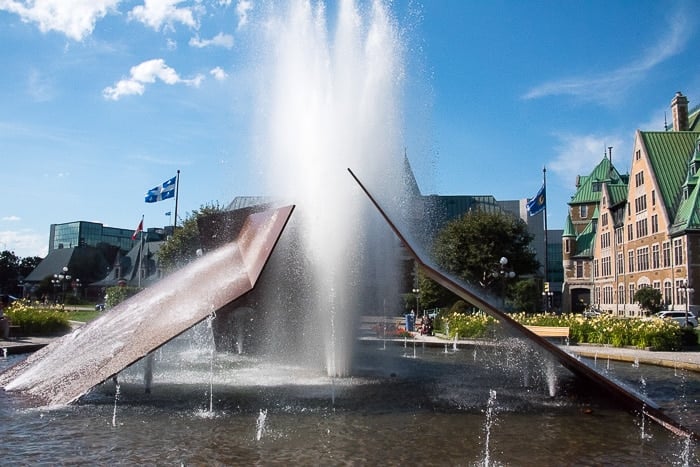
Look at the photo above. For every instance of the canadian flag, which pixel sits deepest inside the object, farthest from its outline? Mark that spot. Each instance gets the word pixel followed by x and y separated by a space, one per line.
pixel 138 229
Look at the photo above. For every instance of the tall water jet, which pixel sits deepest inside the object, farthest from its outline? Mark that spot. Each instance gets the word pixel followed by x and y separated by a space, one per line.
pixel 328 100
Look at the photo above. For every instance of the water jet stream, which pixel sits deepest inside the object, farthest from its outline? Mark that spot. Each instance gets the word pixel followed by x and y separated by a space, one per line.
pixel 632 401
pixel 69 367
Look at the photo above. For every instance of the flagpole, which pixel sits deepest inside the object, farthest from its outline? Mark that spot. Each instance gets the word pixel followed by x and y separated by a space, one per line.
pixel 177 193
pixel 544 182
pixel 140 254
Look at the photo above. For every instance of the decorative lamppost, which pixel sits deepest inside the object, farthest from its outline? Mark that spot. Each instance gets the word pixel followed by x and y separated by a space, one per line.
pixel 687 290
pixel 503 273
pixel 61 279
pixel 76 287
pixel 416 292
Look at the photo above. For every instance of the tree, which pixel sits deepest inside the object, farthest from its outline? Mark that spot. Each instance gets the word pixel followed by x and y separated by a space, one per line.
pixel 471 246
pixel 526 296
pixel 649 299
pixel 9 267
pixel 182 247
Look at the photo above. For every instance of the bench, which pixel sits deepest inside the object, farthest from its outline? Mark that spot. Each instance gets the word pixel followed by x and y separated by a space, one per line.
pixel 551 331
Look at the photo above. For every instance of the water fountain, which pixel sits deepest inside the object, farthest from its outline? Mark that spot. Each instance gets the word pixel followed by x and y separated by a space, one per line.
pixel 297 387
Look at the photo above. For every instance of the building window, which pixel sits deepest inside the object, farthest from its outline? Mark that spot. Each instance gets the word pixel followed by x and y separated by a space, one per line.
pixel 638 154
pixel 620 264
pixel 605 266
pixel 655 257
pixel 605 240
pixel 596 271
pixel 630 260
pixel 567 245
pixel 579 269
pixel 654 223
pixel 618 236
pixel 666 254
pixel 631 293
pixel 677 251
pixel 643 259
pixel 639 179
pixel 583 211
pixel 621 294
pixel 680 292
pixel 630 235
pixel 642 229
pixel 653 197
pixel 668 292
pixel 640 203
pixel 604 218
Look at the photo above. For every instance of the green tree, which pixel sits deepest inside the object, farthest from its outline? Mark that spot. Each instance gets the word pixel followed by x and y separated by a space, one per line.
pixel 649 299
pixel 526 296
pixel 9 271
pixel 471 246
pixel 182 247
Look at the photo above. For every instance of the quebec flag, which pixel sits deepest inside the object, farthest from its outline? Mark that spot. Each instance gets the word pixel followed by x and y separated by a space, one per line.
pixel 538 203
pixel 164 191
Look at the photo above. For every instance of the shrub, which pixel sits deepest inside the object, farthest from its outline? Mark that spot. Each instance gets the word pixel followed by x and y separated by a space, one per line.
pixel 37 321
pixel 462 325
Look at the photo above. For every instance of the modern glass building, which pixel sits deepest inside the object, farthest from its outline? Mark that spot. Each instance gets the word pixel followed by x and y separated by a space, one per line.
pixel 82 233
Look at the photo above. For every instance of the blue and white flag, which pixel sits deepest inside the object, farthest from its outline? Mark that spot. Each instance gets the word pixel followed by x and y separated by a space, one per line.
pixel 538 203
pixel 164 191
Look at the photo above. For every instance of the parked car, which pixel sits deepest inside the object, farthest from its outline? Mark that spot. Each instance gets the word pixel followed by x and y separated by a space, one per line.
pixel 679 317
pixel 592 313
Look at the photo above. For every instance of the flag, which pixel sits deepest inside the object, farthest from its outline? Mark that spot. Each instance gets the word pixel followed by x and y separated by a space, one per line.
pixel 161 192
pixel 139 228
pixel 538 203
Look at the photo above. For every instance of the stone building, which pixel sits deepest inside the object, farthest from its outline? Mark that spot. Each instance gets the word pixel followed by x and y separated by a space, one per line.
pixel 625 232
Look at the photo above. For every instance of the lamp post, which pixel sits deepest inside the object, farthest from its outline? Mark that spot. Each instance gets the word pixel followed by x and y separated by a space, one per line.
pixel 416 292
pixel 504 274
pixel 685 288
pixel 60 279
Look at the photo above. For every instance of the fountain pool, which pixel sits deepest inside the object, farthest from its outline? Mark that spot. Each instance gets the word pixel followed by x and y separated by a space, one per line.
pixel 461 407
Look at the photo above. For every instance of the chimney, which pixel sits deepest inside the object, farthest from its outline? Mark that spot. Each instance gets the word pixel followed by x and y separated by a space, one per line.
pixel 679 112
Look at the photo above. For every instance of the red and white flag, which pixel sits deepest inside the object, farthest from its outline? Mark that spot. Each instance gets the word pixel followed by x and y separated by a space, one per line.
pixel 138 229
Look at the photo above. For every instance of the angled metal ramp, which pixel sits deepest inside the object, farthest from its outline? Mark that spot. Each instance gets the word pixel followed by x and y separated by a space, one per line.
pixel 68 368
pixel 624 396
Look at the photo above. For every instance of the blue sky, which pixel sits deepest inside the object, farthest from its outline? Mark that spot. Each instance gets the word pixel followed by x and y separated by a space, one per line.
pixel 103 100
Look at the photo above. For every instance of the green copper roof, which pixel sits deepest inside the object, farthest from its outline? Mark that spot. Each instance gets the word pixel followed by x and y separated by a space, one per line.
pixel 590 186
pixel 694 119
pixel 688 217
pixel 585 241
pixel 569 230
pixel 669 153
pixel 618 193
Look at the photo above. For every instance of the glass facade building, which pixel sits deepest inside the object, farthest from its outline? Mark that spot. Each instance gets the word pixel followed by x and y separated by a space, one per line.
pixel 82 233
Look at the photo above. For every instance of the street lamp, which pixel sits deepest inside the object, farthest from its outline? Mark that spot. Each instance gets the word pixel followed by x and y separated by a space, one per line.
pixel 504 274
pixel 60 279
pixel 685 287
pixel 416 292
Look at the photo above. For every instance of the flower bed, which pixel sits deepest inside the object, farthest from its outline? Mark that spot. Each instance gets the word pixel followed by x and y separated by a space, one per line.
pixel 37 321
pixel 654 333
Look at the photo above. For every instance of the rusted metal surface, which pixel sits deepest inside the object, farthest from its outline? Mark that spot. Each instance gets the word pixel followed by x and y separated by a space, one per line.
pixel 69 367
pixel 626 398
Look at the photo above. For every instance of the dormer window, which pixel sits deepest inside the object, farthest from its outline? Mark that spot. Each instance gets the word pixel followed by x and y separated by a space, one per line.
pixel 583 211
pixel 595 186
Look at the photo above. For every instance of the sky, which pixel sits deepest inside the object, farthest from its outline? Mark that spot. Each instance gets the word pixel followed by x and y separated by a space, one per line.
pixel 102 100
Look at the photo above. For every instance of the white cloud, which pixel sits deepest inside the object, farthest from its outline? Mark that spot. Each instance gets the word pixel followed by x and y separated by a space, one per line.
pixel 605 87
pixel 157 13
pixel 144 73
pixel 11 219
pixel 39 86
pixel 74 18
pixel 242 9
pixel 24 242
pixel 218 73
pixel 220 40
pixel 579 154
